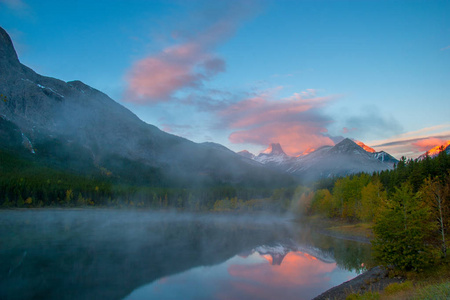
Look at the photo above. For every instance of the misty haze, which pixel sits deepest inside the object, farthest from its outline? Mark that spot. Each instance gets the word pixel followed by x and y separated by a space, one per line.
pixel 111 254
pixel 252 149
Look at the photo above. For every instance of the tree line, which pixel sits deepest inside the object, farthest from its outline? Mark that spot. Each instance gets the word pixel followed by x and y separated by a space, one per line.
pixel 408 206
pixel 27 184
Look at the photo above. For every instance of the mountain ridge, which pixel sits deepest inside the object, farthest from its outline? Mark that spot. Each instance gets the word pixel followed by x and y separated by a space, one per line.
pixel 433 152
pixel 67 121
pixel 345 158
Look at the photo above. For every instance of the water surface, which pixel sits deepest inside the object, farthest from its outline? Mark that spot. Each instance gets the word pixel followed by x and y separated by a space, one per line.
pixel 112 254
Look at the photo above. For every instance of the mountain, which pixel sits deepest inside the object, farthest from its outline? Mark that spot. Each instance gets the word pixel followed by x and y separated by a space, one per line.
pixel 365 147
pixel 385 157
pixel 273 155
pixel 345 158
pixel 70 125
pixel 433 152
pixel 246 154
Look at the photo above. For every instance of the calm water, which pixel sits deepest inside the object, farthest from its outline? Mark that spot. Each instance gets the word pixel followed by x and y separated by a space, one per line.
pixel 111 254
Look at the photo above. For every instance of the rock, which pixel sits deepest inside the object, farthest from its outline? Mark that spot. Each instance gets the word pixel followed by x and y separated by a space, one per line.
pixel 374 280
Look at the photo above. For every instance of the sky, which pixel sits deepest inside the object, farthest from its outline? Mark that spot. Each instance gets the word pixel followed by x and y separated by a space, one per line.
pixel 245 74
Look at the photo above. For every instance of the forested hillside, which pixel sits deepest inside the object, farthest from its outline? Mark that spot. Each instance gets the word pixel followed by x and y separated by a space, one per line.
pixel 409 208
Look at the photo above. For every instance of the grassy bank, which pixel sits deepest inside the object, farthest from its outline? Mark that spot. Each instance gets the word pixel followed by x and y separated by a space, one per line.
pixel 361 231
pixel 431 284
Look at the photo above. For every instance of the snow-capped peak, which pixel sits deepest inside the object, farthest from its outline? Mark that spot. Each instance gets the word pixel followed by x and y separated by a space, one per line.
pixel 274 154
pixel 274 149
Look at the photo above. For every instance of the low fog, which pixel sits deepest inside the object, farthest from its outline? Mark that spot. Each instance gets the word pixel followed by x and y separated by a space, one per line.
pixel 107 253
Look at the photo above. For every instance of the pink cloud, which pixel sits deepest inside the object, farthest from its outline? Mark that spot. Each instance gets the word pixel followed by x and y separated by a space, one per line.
pixel 156 78
pixel 427 144
pixel 191 62
pixel 414 143
pixel 294 138
pixel 347 130
pixel 294 122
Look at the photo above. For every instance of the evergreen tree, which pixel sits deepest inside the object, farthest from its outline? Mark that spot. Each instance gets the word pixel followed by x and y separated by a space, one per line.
pixel 401 231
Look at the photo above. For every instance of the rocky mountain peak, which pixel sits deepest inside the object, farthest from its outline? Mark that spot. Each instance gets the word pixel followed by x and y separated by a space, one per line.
pixel 346 145
pixel 8 55
pixel 433 152
pixel 274 149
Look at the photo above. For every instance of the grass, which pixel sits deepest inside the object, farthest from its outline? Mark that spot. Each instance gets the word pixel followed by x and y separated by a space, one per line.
pixel 395 288
pixel 341 227
pixel 366 296
pixel 359 229
pixel 431 284
pixel 434 292
pixel 407 290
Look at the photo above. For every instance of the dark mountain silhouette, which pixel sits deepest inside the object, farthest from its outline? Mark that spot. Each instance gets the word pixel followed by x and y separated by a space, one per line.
pixel 71 125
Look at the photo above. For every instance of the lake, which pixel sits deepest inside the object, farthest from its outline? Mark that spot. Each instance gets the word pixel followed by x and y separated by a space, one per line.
pixel 115 254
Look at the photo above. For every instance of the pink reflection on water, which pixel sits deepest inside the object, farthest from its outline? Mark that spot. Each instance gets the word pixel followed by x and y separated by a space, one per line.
pixel 266 281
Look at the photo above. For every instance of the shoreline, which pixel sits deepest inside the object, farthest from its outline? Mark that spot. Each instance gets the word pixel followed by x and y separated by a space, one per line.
pixel 374 280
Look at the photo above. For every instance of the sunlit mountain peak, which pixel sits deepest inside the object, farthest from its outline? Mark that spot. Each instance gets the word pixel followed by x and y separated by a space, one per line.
pixel 274 148
pixel 433 152
pixel 365 147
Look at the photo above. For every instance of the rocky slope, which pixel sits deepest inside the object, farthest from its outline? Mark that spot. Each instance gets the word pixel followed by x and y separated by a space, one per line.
pixel 70 122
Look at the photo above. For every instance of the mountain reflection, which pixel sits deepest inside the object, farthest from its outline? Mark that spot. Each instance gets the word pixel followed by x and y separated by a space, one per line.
pixel 267 272
pixel 298 269
pixel 108 254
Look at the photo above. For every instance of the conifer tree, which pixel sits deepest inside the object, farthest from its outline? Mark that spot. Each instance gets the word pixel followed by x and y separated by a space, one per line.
pixel 401 231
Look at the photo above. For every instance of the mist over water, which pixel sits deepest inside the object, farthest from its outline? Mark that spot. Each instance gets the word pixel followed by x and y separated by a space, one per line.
pixel 112 254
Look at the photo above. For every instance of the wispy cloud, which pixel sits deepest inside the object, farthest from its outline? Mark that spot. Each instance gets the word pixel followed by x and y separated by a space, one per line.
pixel 414 143
pixel 445 48
pixel 424 145
pixel 369 120
pixel 190 63
pixel 296 122
pixel 14 4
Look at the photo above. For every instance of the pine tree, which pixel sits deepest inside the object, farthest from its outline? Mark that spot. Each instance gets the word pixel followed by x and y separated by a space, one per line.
pixel 401 231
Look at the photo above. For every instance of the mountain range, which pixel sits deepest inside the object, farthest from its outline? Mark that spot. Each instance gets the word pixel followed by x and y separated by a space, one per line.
pixel 345 158
pixel 433 152
pixel 72 126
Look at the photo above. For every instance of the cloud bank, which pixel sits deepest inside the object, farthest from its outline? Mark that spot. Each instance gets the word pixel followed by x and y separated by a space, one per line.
pixel 296 122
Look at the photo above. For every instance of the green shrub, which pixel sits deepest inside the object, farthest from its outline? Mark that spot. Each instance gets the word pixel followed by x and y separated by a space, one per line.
pixel 366 296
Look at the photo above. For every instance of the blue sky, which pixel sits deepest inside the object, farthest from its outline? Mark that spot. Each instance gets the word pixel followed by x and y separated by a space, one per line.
pixel 248 73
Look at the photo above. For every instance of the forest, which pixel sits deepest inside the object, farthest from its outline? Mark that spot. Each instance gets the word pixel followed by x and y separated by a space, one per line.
pixel 408 209
pixel 25 184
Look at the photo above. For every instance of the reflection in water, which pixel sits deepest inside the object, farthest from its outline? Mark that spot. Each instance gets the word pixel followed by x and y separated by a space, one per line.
pixel 110 254
pixel 298 275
